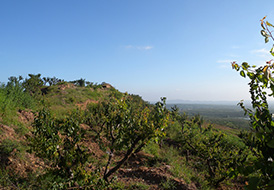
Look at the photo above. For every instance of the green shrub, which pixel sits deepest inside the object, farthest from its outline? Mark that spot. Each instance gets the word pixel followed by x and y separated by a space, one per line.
pixel 125 126
pixel 214 153
pixel 12 98
pixel 59 143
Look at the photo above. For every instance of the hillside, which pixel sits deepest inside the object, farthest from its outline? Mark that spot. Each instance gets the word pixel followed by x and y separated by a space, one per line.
pixel 56 136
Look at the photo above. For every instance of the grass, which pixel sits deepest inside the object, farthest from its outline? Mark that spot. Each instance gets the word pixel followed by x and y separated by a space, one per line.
pixel 10 118
pixel 173 157
pixel 168 184
pixel 138 186
pixel 179 167
pixel 61 111
pixel 152 148
pixel 64 101
pixel 7 146
pixel 21 129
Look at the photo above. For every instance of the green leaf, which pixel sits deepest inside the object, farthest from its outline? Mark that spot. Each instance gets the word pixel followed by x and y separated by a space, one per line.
pixel 242 73
pixel 266 39
pixel 269 24
pixel 245 65
pixel 272 51
pixel 250 75
pixel 271 143
pixel 260 78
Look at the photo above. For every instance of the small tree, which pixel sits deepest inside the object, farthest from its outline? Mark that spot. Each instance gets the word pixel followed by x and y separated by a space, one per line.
pixel 126 127
pixel 45 80
pixel 261 136
pixel 58 142
pixel 216 154
pixel 15 96
pixel 33 84
pixel 81 82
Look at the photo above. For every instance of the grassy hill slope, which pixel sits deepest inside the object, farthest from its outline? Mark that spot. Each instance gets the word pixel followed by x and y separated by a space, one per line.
pixel 164 163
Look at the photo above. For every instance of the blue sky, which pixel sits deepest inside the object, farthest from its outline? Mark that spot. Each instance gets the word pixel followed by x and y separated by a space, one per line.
pixel 180 49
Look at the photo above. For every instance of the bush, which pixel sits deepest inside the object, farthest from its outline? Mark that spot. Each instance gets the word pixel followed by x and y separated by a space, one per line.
pixel 125 126
pixel 59 143
pixel 216 153
pixel 13 97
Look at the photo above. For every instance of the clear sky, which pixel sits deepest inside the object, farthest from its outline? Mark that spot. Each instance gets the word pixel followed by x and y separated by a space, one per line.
pixel 180 49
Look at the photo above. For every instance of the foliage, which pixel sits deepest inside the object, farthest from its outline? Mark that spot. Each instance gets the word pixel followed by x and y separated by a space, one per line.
pixel 33 84
pixel 59 143
pixel 216 153
pixel 80 82
pixel 261 136
pixel 125 126
pixel 95 86
pixel 13 98
pixel 51 81
pixel 15 95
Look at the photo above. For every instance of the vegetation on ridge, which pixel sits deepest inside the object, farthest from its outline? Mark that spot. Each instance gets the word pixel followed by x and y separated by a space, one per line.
pixel 66 120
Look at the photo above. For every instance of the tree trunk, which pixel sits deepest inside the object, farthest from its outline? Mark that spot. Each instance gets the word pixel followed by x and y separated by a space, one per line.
pixel 121 162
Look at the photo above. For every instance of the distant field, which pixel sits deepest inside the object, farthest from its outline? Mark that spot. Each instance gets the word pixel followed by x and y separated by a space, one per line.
pixel 227 115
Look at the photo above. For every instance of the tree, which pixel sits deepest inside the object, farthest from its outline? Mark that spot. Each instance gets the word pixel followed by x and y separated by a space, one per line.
pixel 58 142
pixel 215 154
pixel 126 126
pixel 15 95
pixel 54 81
pixel 81 82
pixel 46 80
pixel 33 84
pixel 261 135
